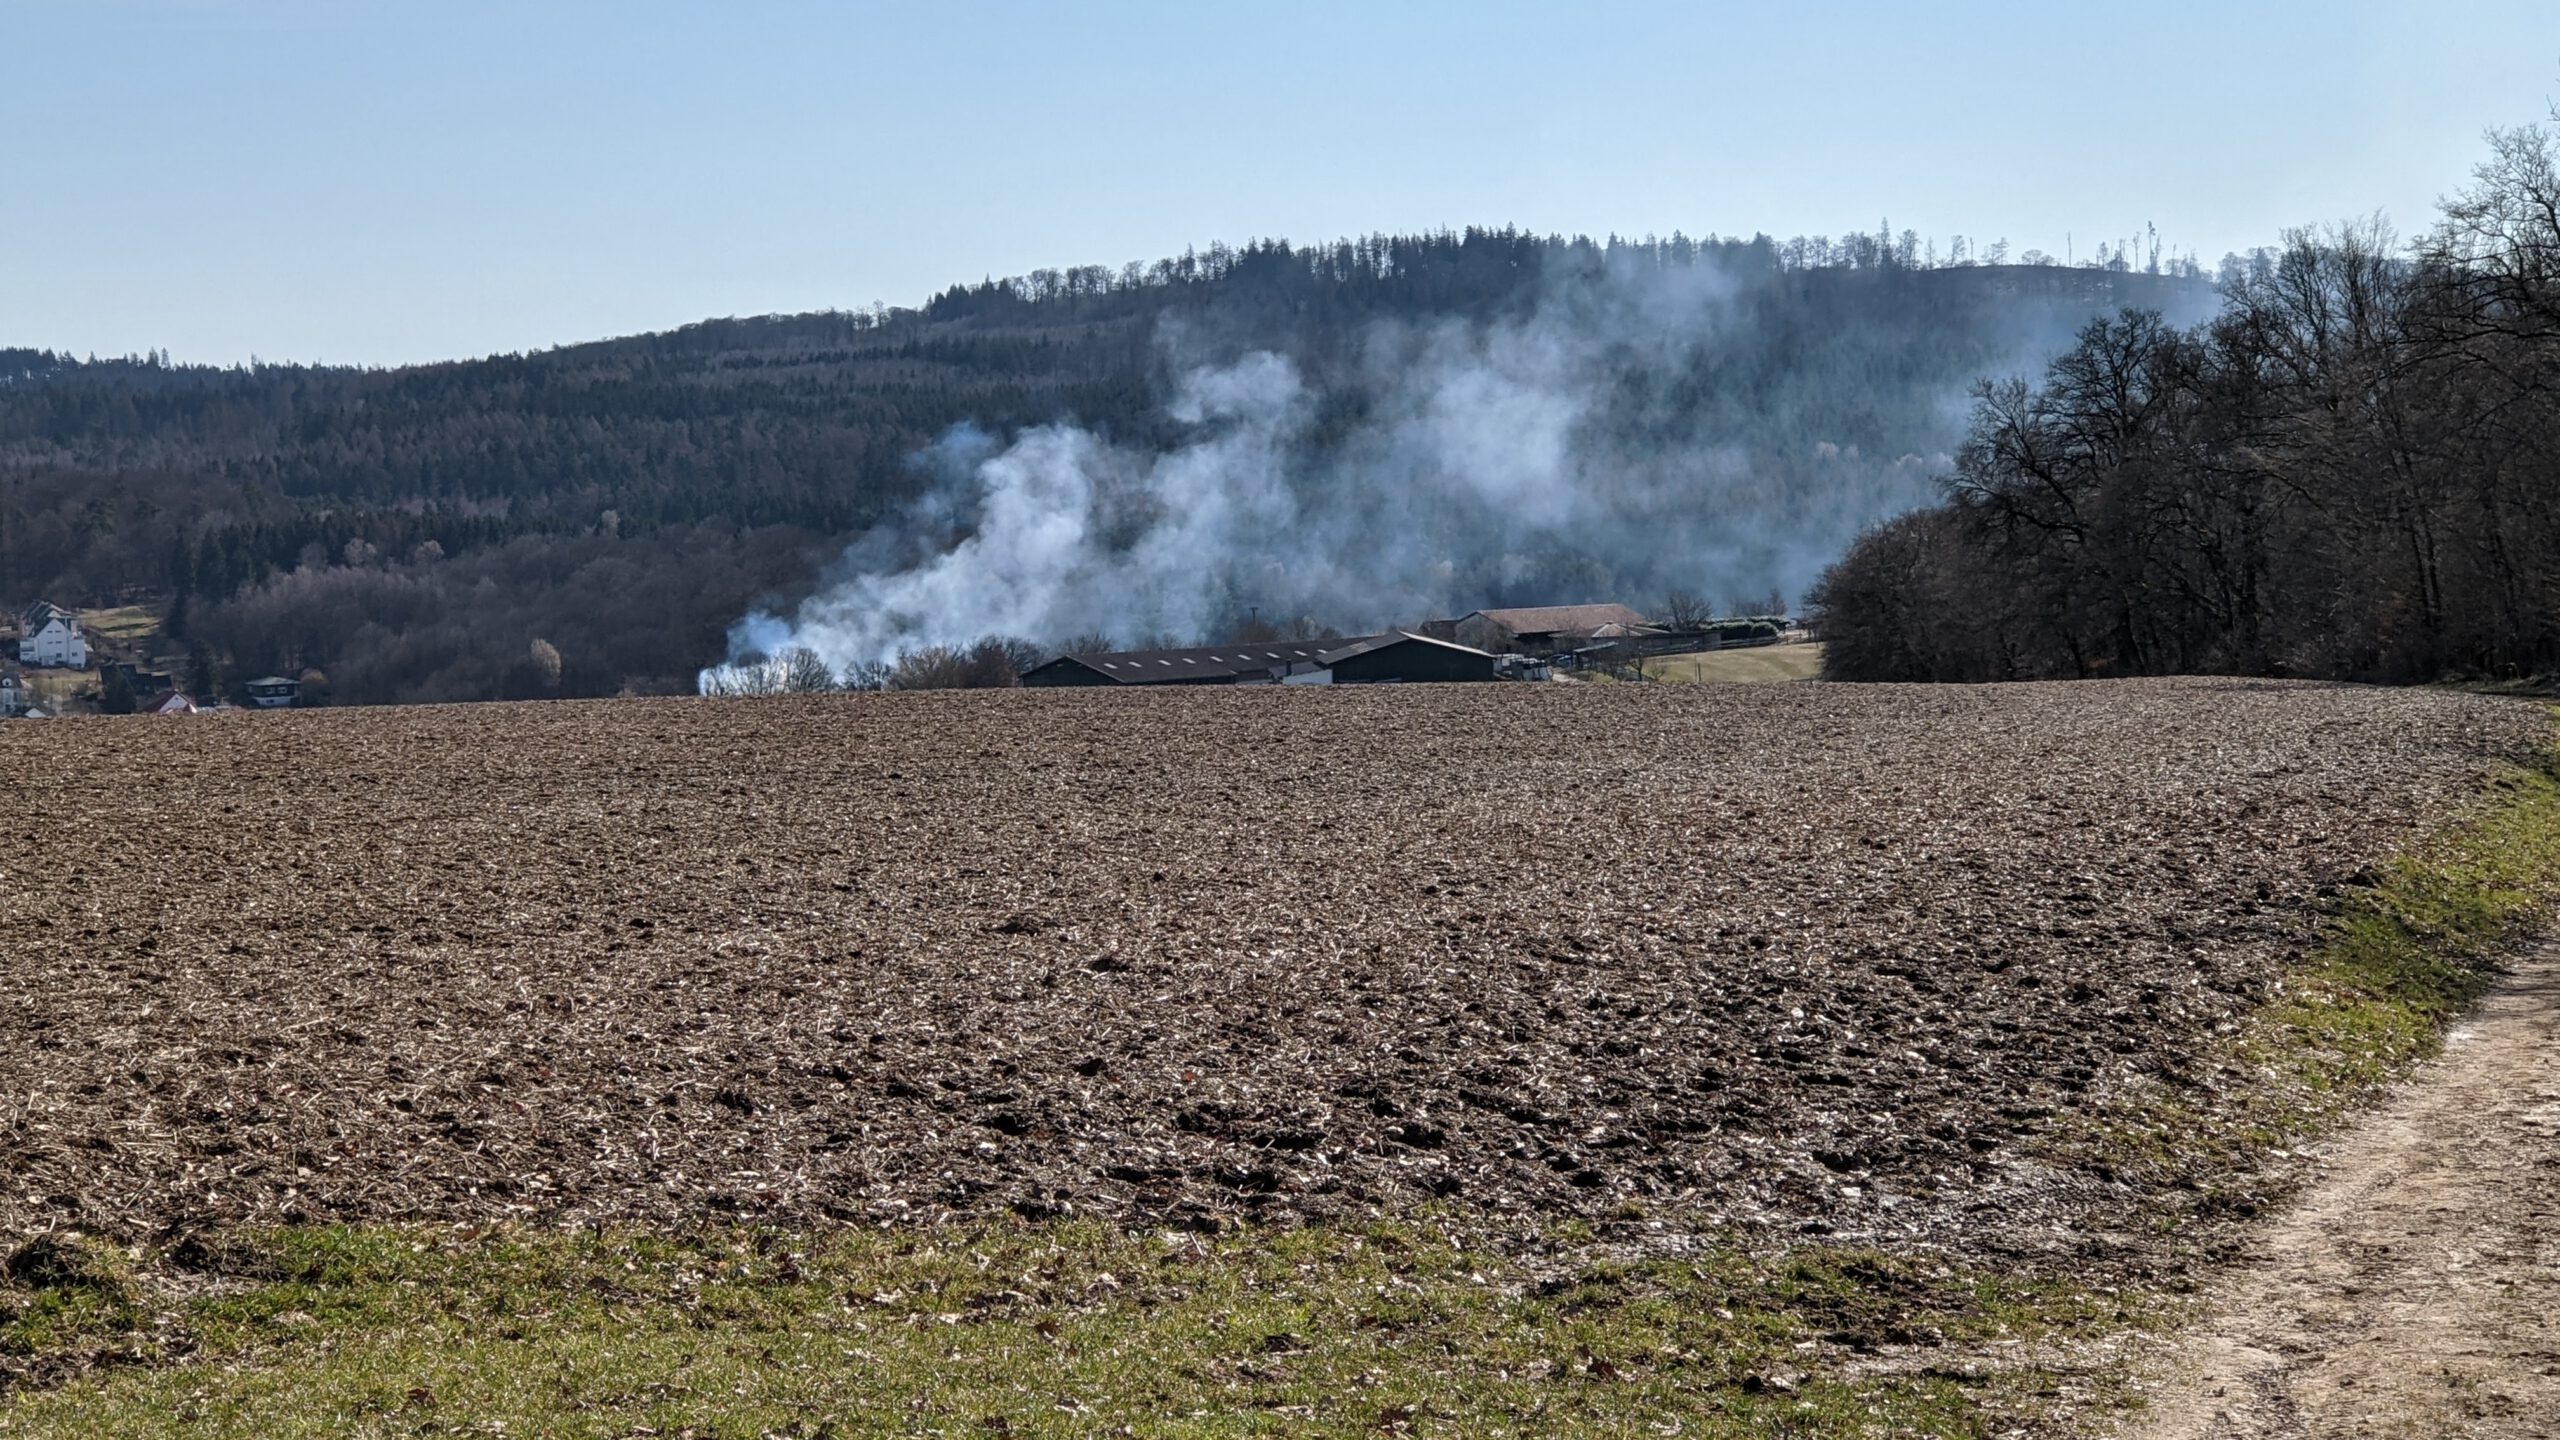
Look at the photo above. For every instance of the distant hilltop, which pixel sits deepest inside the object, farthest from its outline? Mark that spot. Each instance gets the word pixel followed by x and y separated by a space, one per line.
pixel 413 532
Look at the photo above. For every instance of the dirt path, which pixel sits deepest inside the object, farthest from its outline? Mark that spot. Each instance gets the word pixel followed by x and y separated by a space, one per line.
pixel 2415 1290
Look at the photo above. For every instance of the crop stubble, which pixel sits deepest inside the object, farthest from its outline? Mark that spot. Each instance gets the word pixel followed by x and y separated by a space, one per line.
pixel 1818 960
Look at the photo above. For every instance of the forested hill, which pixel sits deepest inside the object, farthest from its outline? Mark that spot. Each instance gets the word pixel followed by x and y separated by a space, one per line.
pixel 2352 472
pixel 411 532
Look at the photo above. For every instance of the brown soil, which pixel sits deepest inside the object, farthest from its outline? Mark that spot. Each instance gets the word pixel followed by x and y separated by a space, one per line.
pixel 2415 1289
pixel 1819 959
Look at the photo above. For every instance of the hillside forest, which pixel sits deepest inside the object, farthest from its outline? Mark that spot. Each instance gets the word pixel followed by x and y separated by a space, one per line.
pixel 2351 472
pixel 597 519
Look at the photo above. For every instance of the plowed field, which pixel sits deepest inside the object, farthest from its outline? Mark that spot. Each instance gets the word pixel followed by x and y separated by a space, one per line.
pixel 1823 959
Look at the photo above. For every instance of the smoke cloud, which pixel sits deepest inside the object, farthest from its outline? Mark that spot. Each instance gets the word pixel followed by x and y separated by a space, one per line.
pixel 1623 438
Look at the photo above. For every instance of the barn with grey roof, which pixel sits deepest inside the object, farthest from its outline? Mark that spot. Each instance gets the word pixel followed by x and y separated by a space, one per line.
pixel 1396 657
pixel 1261 663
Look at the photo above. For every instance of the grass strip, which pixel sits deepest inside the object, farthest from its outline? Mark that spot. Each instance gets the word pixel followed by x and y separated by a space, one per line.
pixel 1055 1329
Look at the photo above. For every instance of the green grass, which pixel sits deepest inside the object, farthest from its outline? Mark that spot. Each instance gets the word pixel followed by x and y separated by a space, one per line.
pixel 1061 1329
pixel 2403 956
pixel 55 689
pixel 121 622
pixel 1762 664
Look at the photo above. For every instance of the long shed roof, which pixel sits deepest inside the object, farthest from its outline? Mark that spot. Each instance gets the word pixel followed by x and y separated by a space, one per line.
pixel 1395 637
pixel 1560 619
pixel 1197 664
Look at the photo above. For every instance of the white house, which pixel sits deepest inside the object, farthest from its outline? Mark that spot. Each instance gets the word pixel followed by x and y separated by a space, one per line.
pixel 50 635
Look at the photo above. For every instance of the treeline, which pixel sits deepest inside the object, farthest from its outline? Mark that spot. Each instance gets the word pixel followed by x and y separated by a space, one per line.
pixel 1450 270
pixel 412 532
pixel 2352 472
pixel 993 663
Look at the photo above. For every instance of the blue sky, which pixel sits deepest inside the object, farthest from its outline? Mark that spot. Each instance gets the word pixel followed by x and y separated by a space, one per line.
pixel 364 180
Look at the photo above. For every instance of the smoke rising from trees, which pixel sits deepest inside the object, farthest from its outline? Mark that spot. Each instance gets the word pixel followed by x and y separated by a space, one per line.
pixel 1632 431
pixel 1479 417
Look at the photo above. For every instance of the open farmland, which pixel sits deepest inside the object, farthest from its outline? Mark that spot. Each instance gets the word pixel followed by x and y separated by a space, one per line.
pixel 1819 960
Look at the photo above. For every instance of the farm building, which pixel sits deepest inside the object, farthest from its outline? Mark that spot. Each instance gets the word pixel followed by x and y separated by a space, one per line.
pixel 1540 629
pixel 1400 658
pixel 1377 659
pixel 272 692
pixel 169 703
pixel 1262 663
pixel 50 635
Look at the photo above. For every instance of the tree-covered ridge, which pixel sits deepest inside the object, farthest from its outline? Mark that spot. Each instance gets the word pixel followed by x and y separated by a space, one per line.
pixel 2352 472
pixel 411 531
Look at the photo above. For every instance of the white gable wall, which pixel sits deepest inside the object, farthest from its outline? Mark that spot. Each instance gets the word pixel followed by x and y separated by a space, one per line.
pixel 58 643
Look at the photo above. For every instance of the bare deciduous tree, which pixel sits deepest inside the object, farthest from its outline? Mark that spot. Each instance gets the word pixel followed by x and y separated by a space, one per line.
pixel 803 673
pixel 1685 609
pixel 2346 474
pixel 992 663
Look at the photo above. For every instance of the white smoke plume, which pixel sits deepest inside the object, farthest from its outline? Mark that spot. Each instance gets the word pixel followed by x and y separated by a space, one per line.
pixel 1481 463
